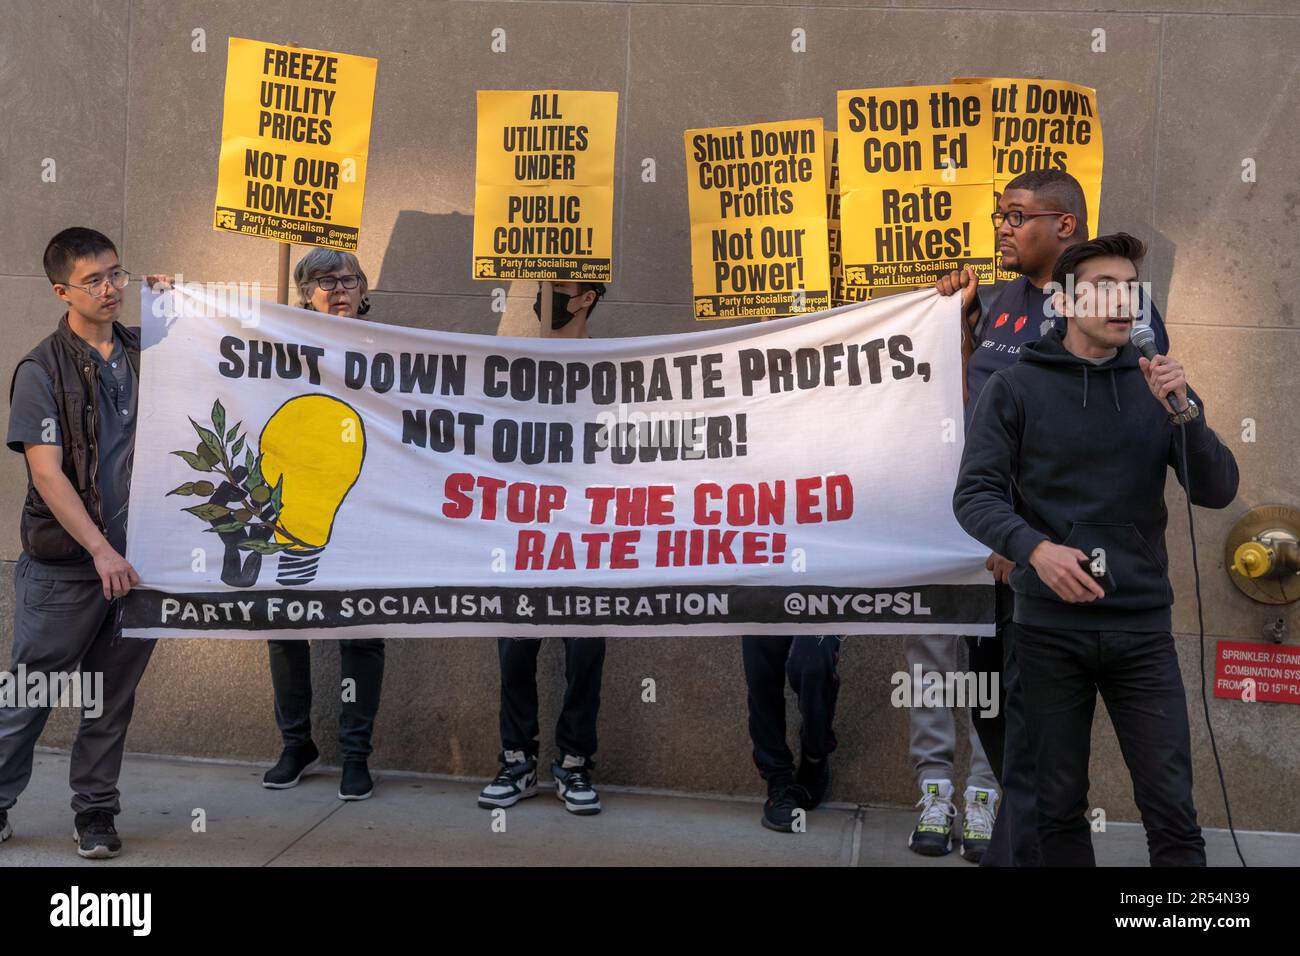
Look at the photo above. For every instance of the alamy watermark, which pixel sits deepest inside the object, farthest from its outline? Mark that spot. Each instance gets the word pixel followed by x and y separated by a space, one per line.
pixel 692 434
pixel 83 690
pixel 241 300
pixel 1102 297
pixel 949 689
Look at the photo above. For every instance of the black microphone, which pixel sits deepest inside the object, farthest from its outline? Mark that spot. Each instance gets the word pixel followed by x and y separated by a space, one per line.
pixel 1143 338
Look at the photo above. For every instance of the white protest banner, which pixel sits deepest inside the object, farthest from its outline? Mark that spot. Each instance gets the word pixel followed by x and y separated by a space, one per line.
pixel 308 476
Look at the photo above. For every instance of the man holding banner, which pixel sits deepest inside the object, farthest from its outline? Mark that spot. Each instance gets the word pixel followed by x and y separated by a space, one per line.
pixel 73 408
pixel 809 662
pixel 932 730
pixel 543 209
pixel 584 657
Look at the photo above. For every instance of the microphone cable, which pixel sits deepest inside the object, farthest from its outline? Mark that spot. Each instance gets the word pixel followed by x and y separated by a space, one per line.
pixel 1200 619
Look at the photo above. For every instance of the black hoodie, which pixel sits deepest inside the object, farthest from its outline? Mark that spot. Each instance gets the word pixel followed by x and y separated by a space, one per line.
pixel 1062 450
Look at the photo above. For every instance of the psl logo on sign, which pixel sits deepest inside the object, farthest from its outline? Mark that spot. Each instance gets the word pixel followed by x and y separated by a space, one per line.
pixel 314 444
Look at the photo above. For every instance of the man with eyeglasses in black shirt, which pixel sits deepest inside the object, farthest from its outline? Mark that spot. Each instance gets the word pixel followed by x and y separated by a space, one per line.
pixel 1040 214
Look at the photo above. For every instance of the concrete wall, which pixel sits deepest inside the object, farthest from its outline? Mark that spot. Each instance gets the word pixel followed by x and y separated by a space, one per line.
pixel 1188 88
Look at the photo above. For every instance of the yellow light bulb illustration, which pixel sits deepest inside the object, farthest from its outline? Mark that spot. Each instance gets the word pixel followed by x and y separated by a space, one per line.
pixel 316 444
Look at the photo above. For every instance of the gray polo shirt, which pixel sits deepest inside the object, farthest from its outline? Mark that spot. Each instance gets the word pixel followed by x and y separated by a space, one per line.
pixel 34 419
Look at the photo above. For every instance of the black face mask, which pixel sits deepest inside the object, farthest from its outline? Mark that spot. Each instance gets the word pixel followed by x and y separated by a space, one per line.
pixel 560 314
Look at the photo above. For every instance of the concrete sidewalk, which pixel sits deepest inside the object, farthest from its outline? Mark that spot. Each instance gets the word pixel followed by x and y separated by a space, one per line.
pixel 425 820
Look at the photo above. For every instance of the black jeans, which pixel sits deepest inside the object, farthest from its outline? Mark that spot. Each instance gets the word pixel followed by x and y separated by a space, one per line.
pixel 1015 832
pixel 362 661
pixel 575 731
pixel 1138 677
pixel 1007 743
pixel 809 663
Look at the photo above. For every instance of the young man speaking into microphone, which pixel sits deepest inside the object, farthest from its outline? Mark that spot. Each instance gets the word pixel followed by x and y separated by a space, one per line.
pixel 1064 474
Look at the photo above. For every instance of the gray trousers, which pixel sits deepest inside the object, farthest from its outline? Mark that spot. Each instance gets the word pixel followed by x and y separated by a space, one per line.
pixel 58 625
pixel 934 729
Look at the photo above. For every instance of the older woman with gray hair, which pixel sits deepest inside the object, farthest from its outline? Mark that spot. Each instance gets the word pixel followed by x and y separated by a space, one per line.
pixel 332 282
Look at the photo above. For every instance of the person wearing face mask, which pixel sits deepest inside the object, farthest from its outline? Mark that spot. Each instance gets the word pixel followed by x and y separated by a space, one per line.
pixel 584 657
pixel 571 304
pixel 332 282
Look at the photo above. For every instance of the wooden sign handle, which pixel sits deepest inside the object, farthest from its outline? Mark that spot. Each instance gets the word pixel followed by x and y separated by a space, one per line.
pixel 547 286
pixel 282 267
pixel 282 274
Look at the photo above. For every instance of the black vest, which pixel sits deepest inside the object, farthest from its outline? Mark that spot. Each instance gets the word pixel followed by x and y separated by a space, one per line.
pixel 66 359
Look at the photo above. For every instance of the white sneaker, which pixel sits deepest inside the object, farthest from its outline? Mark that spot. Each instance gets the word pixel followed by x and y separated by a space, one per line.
pixel 979 813
pixel 573 785
pixel 517 780
pixel 933 833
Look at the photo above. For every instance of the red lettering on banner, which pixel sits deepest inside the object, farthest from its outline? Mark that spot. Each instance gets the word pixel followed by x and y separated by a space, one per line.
pixel 704 546
pixel 816 499
pixel 535 550
pixel 745 504
pixel 524 502
pixel 651 504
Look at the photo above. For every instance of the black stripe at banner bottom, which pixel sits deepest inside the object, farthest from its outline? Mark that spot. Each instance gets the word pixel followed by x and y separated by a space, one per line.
pixel 731 606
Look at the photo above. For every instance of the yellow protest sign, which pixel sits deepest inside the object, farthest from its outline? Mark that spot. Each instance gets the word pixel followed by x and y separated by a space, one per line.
pixel 757 197
pixel 916 183
pixel 544 185
pixel 1045 124
pixel 840 294
pixel 294 138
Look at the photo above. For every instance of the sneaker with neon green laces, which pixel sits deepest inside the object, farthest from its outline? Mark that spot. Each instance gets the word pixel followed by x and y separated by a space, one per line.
pixel 933 833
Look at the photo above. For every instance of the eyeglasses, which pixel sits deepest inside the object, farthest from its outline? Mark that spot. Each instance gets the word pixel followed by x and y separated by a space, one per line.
pixel 1017 217
pixel 117 279
pixel 330 283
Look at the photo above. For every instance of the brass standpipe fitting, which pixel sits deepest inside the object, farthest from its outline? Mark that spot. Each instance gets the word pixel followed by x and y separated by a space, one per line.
pixel 1262 554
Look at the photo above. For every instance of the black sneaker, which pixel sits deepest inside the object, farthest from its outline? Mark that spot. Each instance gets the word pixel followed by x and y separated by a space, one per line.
pixel 815 777
pixel 294 764
pixel 517 780
pixel 96 836
pixel 783 799
pixel 573 785
pixel 356 783
pixel 6 831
